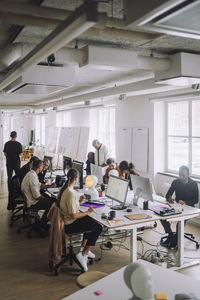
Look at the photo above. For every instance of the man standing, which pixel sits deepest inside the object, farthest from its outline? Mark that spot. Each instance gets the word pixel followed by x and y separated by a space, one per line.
pixel 12 151
pixel 186 192
pixel 101 154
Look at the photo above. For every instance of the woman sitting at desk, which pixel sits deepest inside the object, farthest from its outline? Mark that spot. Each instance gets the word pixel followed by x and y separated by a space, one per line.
pixel 112 168
pixel 75 221
pixel 125 169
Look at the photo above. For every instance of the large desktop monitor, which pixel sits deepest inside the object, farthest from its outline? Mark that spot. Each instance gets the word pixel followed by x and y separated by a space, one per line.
pixel 117 190
pixel 98 172
pixel 67 163
pixel 141 188
pixel 78 165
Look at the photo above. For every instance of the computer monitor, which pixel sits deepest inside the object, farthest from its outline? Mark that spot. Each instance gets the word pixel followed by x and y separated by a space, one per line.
pixel 78 165
pixel 98 172
pixel 50 158
pixel 141 188
pixel 67 163
pixel 117 190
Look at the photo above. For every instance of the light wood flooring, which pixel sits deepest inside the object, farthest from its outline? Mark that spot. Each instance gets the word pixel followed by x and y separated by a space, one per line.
pixel 24 272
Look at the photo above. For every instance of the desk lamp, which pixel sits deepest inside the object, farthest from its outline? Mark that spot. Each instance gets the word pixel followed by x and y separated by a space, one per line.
pixel 90 184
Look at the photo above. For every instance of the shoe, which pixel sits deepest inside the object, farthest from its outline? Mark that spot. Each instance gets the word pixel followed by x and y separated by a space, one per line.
pixel 90 253
pixel 174 242
pixel 166 242
pixel 83 260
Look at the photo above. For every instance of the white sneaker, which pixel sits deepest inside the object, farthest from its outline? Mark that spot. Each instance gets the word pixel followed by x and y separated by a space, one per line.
pixel 83 260
pixel 90 253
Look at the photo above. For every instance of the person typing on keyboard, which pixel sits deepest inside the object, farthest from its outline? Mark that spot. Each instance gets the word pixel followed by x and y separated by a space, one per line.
pixel 186 192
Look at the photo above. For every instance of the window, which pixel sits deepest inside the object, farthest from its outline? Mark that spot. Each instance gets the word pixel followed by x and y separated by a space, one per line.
pixel 183 133
pixel 63 119
pixel 102 127
pixel 40 130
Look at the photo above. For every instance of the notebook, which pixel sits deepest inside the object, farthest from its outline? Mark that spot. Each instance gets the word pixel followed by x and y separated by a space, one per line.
pixel 138 217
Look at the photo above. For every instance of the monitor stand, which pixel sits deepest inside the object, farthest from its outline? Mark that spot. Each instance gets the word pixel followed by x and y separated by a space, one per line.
pixel 118 207
pixel 136 197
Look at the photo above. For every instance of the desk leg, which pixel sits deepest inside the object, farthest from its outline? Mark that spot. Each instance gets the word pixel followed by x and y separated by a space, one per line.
pixel 180 243
pixel 133 244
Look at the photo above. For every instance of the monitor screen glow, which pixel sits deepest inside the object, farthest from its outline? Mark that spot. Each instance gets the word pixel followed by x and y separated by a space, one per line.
pixel 117 189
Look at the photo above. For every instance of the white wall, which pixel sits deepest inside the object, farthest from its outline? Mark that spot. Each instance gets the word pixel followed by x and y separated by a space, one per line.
pixel 80 118
pixel 137 112
pixel 22 124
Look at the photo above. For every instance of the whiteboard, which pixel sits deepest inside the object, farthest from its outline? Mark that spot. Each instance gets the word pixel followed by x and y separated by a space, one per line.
pixel 68 141
pixel 83 143
pixel 51 139
pixel 140 148
pixel 124 151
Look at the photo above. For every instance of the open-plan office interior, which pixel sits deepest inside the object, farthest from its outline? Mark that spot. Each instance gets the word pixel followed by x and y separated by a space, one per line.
pixel 124 72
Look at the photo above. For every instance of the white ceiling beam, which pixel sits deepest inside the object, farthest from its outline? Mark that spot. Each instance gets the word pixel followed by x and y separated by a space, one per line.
pixel 79 21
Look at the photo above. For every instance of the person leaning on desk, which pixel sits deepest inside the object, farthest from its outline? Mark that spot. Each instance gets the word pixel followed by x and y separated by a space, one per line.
pixel 76 221
pixel 31 188
pixel 42 174
pixel 112 168
pixel 186 192
pixel 125 169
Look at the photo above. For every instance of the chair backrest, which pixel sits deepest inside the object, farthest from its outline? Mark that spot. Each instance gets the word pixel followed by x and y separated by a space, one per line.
pixel 164 188
pixel 24 199
pixel 15 189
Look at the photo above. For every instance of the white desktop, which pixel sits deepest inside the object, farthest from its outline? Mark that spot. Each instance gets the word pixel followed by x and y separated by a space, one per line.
pixel 117 190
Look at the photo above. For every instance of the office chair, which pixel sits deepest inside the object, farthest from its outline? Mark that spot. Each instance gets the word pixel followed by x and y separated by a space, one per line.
pixel 71 256
pixel 190 237
pixel 28 215
pixel 15 200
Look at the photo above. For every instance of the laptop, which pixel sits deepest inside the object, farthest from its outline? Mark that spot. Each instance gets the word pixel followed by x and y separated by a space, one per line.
pixel 164 211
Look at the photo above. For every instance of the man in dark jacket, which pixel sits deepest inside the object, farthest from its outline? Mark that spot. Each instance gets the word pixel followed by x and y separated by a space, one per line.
pixel 186 192
pixel 12 151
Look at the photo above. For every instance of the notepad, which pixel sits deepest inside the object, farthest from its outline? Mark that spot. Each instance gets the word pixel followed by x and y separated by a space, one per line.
pixel 138 216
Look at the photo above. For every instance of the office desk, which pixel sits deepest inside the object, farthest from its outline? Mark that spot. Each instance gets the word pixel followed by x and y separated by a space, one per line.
pixel 188 213
pixel 164 281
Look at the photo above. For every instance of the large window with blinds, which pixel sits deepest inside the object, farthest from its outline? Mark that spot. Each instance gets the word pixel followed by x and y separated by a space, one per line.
pixel 183 136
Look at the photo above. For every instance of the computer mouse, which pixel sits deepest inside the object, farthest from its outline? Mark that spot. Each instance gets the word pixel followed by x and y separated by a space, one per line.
pixel 129 210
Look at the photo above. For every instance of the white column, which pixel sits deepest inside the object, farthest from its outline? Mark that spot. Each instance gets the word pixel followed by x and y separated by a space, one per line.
pixel 1 145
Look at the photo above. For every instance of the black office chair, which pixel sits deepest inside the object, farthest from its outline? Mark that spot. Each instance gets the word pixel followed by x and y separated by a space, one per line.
pixel 190 237
pixel 15 200
pixel 30 214
pixel 71 256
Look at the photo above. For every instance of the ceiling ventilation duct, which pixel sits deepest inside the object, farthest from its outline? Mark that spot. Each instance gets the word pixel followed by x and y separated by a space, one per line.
pixel 43 80
pixel 176 17
pixel 184 70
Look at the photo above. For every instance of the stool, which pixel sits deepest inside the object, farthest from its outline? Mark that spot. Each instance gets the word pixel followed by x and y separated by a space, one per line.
pixel 89 277
pixel 71 255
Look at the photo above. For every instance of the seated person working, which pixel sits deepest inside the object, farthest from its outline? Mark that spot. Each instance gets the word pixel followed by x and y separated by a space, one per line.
pixel 125 169
pixel 76 221
pixel 101 153
pixel 90 160
pixel 26 168
pixel 112 168
pixel 186 192
pixel 42 174
pixel 31 188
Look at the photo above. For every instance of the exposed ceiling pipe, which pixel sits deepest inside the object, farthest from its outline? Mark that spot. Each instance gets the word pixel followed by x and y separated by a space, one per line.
pixel 138 88
pixel 67 55
pixel 82 19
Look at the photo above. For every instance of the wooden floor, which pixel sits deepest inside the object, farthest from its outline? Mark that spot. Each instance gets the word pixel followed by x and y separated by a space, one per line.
pixel 24 272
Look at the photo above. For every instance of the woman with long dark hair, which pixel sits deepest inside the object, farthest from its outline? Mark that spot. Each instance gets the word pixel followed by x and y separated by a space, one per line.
pixel 75 221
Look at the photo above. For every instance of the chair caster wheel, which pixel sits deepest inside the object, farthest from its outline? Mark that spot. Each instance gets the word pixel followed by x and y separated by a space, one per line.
pixel 197 246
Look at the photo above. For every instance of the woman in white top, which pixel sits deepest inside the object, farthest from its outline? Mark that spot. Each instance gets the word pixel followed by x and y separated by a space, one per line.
pixel 75 221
